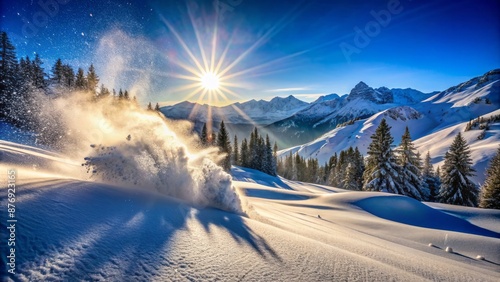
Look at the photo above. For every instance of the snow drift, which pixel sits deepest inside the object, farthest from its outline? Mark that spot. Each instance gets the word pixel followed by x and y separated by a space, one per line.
pixel 125 145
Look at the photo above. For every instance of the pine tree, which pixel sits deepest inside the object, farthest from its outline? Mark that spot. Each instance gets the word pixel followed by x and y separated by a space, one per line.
pixel 252 152
pixel 298 172
pixel 103 92
pixel 332 167
pixel 68 76
pixel 456 187
pixel 359 164
pixel 213 139
pixel 244 155
pixel 410 174
pixel 290 167
pixel 157 107
pixel 92 80
pixel 340 169
pixel 8 74
pixel 58 73
pixel 204 135
pixel 38 74
pixel 275 159
pixel 382 170
pixel 80 82
pixel 267 164
pixel 431 180
pixel 224 146
pixel 261 153
pixel 236 153
pixel 350 181
pixel 126 96
pixel 150 108
pixel 120 97
pixel 490 196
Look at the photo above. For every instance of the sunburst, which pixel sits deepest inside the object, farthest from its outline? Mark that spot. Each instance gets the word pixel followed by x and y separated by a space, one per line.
pixel 213 75
pixel 210 81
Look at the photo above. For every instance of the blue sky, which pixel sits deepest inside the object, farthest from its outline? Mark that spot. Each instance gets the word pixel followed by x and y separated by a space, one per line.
pixel 304 48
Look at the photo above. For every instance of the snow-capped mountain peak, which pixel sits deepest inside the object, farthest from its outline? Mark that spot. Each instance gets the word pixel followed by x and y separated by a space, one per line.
pixel 365 92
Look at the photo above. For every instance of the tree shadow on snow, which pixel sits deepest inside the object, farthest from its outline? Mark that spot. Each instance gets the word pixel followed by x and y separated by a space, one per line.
pixel 237 228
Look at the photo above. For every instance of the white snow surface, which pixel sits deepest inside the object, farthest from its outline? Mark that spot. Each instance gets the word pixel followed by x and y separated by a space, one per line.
pixel 70 229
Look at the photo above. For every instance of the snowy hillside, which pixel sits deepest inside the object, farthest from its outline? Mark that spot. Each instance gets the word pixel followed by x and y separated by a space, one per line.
pixel 250 112
pixel 71 229
pixel 433 123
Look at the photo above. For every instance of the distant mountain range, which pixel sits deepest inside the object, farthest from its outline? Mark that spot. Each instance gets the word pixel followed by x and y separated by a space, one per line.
pixel 251 112
pixel 292 121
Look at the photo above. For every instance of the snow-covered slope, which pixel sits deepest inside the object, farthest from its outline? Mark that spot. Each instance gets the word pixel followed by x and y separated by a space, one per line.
pixel 70 229
pixel 250 112
pixel 433 123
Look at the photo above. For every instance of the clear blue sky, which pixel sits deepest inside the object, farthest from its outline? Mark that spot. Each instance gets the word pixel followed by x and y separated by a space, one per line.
pixel 304 48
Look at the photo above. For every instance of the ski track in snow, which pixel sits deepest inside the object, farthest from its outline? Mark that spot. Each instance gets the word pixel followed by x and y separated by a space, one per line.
pixel 69 229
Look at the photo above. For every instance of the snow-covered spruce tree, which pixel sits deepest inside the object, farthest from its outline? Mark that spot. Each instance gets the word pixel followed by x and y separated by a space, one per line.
pixel 92 80
pixel 275 158
pixel 252 149
pixel 268 162
pixel 38 74
pixel 57 78
pixel 382 170
pixel 8 74
pixel 68 76
pixel 410 173
pixel 80 81
pixel 204 135
pixel 244 158
pixel 456 187
pixel 236 152
pixel 490 195
pixel 359 164
pixel 351 178
pixel 224 146
pixel 340 168
pixel 430 178
pixel 332 165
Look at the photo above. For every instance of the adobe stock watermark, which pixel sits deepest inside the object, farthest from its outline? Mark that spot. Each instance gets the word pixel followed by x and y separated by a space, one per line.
pixel 363 37
pixel 224 6
pixel 41 18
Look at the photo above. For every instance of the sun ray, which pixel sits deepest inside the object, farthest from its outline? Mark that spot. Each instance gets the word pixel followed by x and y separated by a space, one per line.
pixel 198 38
pixel 223 56
pixel 243 114
pixel 196 106
pixel 285 20
pixel 214 43
pixel 186 67
pixel 229 91
pixel 254 68
pixel 183 44
pixel 185 77
pixel 184 87
pixel 194 92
